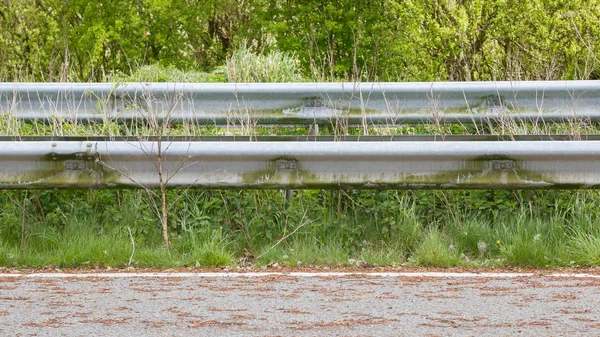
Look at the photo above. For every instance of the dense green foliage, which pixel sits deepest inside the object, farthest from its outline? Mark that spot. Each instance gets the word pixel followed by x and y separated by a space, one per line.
pixel 390 40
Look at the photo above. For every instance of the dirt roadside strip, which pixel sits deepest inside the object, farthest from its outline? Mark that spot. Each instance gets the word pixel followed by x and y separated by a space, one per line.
pixel 258 274
pixel 308 269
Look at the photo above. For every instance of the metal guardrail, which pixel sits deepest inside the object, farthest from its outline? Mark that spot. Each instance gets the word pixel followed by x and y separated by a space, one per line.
pixel 306 138
pixel 304 103
pixel 365 165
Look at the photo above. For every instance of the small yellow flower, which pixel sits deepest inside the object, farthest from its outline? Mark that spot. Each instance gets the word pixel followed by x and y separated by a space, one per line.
pixel 498 241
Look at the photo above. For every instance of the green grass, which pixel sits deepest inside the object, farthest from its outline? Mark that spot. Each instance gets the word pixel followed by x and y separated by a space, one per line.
pixel 584 249
pixel 80 243
pixel 221 228
pixel 76 235
pixel 306 251
pixel 437 250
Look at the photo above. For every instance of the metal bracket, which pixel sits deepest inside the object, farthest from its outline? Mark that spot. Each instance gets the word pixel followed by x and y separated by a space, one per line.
pixel 283 164
pixel 494 102
pixel 503 165
pixel 75 165
pixel 313 103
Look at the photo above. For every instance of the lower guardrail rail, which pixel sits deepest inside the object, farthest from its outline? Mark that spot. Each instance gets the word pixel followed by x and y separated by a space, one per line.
pixel 429 164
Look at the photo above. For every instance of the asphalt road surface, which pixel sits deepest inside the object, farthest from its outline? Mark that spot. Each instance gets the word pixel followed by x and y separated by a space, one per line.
pixel 337 304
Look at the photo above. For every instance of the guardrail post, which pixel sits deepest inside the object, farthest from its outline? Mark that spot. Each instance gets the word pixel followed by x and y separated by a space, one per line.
pixel 313 130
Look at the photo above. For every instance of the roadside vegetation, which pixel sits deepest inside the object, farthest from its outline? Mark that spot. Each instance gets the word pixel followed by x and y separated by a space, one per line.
pixel 334 228
pixel 258 41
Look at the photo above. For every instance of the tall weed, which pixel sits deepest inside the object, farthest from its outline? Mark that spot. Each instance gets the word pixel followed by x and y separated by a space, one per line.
pixel 246 66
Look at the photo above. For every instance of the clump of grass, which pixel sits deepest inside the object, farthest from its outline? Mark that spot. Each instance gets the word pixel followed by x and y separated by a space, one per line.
pixel 206 247
pixel 526 250
pixel 437 250
pixel 382 255
pixel 9 254
pixel 407 230
pixel 246 66
pixel 530 241
pixel 584 249
pixel 474 237
pixel 306 251
pixel 79 243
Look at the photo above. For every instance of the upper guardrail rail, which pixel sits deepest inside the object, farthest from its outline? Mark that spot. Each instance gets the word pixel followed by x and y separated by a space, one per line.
pixel 304 103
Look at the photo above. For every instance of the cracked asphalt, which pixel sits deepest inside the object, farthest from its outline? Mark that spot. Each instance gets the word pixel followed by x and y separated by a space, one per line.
pixel 288 305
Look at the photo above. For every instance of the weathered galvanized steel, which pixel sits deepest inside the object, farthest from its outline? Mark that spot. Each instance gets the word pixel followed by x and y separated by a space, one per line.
pixel 364 104
pixel 337 165
pixel 308 138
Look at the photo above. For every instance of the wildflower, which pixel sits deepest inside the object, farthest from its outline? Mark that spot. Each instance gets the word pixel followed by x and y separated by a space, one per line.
pixel 497 241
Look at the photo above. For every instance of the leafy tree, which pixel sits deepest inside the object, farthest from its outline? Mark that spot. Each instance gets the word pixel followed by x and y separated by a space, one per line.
pixel 389 40
pixel 30 44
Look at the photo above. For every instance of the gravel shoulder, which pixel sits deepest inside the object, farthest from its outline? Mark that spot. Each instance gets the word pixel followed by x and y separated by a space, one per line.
pixel 294 305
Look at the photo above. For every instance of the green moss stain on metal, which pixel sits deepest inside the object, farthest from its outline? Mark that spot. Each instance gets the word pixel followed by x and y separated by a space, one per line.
pixel 484 172
pixel 280 171
pixel 67 171
pixel 85 170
